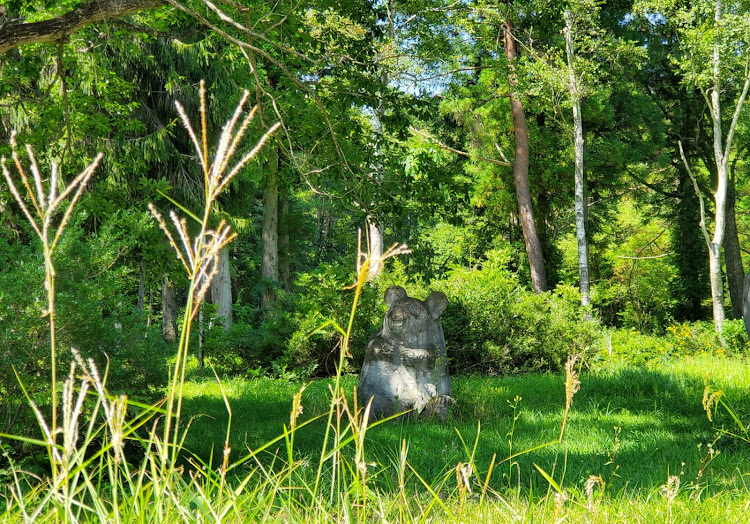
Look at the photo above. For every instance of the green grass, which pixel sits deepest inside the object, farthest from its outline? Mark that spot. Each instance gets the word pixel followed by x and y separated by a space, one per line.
pixel 634 427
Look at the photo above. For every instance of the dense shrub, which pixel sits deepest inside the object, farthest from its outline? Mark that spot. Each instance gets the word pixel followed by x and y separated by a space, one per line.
pixel 493 325
pixel 323 298
pixel 735 335
pixel 680 340
pixel 623 346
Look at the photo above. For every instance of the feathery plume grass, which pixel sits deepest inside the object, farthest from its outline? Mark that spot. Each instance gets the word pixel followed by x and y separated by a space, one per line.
pixel 46 209
pixel 199 255
pixel 572 385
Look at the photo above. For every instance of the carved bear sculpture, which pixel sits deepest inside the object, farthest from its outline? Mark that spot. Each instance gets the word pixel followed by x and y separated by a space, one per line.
pixel 405 366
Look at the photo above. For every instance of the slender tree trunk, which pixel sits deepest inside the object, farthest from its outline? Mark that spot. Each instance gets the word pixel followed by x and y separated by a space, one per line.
pixel 746 303
pixel 374 227
pixel 580 200
pixel 221 289
pixel 714 246
pixel 168 311
pixel 150 305
pixel 733 255
pixel 521 173
pixel 717 285
pixel 270 263
pixel 375 240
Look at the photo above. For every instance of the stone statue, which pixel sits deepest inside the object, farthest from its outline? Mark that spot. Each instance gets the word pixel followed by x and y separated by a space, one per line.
pixel 405 366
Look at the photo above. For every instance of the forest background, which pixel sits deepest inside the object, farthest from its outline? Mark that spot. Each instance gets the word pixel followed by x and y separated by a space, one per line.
pixel 571 174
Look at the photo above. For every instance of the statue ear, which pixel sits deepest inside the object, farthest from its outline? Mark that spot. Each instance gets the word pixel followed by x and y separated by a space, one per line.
pixel 436 304
pixel 393 294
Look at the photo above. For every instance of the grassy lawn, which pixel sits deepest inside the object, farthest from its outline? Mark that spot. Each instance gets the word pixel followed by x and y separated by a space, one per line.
pixel 633 427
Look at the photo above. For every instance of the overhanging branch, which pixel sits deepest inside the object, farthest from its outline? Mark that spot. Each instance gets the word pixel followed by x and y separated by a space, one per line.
pixel 704 230
pixel 56 29
pixel 473 156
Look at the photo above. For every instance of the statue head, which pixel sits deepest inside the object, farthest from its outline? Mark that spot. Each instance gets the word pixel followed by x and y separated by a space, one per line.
pixel 411 321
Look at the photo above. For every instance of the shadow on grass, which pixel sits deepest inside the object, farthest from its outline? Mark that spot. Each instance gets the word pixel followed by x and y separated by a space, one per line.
pixel 634 427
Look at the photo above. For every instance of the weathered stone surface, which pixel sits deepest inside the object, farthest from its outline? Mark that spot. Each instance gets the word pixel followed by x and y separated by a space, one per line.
pixel 405 361
pixel 438 406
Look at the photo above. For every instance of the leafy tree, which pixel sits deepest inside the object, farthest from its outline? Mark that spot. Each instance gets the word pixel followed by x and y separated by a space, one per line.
pixel 715 33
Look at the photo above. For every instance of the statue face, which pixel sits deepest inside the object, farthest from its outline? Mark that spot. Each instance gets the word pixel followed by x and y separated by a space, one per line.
pixel 412 320
pixel 406 318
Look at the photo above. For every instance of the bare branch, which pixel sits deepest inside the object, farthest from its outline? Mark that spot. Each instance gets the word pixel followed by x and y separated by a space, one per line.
pixel 698 192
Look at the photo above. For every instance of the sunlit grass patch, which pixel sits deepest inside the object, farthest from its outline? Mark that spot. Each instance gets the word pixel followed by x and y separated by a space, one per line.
pixel 634 427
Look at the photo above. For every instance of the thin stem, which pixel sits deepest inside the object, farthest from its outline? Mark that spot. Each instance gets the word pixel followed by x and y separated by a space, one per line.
pixel 361 279
pixel 50 284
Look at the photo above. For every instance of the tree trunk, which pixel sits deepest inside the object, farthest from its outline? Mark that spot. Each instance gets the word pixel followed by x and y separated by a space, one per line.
pixel 375 248
pixel 270 263
pixel 733 256
pixel 150 305
pixel 717 285
pixel 521 173
pixel 580 200
pixel 720 197
pixel 221 289
pixel 168 311
pixel 746 303
pixel 375 228
pixel 722 148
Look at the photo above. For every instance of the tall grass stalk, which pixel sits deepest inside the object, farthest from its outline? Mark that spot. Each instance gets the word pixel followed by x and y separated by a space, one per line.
pixel 46 206
pixel 357 420
pixel 200 255
pixel 572 385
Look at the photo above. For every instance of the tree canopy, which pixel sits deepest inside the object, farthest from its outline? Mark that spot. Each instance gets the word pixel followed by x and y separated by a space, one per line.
pixel 526 145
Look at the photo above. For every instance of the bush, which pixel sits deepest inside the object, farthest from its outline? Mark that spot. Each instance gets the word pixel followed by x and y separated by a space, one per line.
pixel 680 340
pixel 631 347
pixel 735 335
pixel 493 325
pixel 322 298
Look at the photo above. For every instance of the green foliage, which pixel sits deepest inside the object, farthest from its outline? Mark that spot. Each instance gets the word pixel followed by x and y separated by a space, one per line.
pixel 634 348
pixel 680 341
pixel 96 311
pixel 322 297
pixel 734 335
pixel 635 269
pixel 493 325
